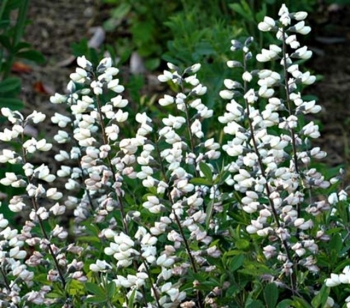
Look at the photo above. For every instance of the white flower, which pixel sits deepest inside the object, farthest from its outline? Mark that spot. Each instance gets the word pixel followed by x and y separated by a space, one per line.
pixel 283 10
pixel 10 177
pixel 63 155
pixel 83 63
pixel 53 194
pixel 247 76
pixel 308 79
pixel 57 209
pixel 165 77
pixel 58 99
pixel 79 76
pixel 250 96
pixel 267 24
pixel 105 63
pixel 285 20
pixel 43 173
pixel 301 28
pixel 16 204
pixel 167 100
pixel 119 102
pixel 300 15
pixel 199 90
pixel 303 53
pixel 333 281
pixel 292 41
pixel 226 94
pixel 16 253
pixel 37 117
pixel 97 87
pixel 121 116
pixel 61 137
pixel 115 86
pixel 42 145
pixel 265 92
pixel 231 84
pixel 60 120
pixel 311 130
pixel 196 129
pixel 195 68
pixel 100 266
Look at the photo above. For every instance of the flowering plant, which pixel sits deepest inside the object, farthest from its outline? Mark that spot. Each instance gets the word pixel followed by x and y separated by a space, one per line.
pixel 172 213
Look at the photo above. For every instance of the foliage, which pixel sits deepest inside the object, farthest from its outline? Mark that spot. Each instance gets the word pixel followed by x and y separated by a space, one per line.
pixel 180 205
pixel 12 24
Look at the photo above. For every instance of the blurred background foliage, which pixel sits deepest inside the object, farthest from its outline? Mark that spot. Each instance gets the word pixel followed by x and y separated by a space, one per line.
pixel 185 32
pixel 13 20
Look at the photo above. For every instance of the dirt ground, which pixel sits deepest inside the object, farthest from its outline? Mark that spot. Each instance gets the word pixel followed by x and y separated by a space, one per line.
pixel 55 25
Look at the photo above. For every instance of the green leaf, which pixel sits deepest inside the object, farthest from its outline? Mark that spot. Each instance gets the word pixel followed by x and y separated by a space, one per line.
pixel 243 10
pixel 236 262
pixel 152 63
pixel 12 103
pixel 95 290
pixel 32 55
pixel 200 181
pixel 95 300
pixel 206 171
pixel 300 303
pixel 255 304
pixel 284 304
pixel 336 243
pixel 132 299
pixel 121 11
pixel 111 288
pixel 21 45
pixel 321 298
pixel 10 84
pixel 5 41
pixel 271 295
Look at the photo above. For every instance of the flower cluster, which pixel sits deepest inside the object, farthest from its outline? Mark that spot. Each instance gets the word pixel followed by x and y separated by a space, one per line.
pixel 163 209
pixel 273 171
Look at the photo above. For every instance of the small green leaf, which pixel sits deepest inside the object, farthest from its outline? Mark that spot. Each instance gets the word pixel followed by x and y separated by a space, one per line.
pixel 32 55
pixel 200 181
pixel 95 290
pixel 271 295
pixel 12 103
pixel 121 11
pixel 111 288
pixel 10 84
pixel 132 299
pixel 5 41
pixel 95 300
pixel 321 298
pixel 238 8
pixel 236 262
pixel 284 304
pixel 255 304
pixel 299 303
pixel 242 244
pixel 206 171
pixel 336 243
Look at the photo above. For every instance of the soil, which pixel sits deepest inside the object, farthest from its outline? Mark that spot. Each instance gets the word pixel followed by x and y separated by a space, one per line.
pixel 55 25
